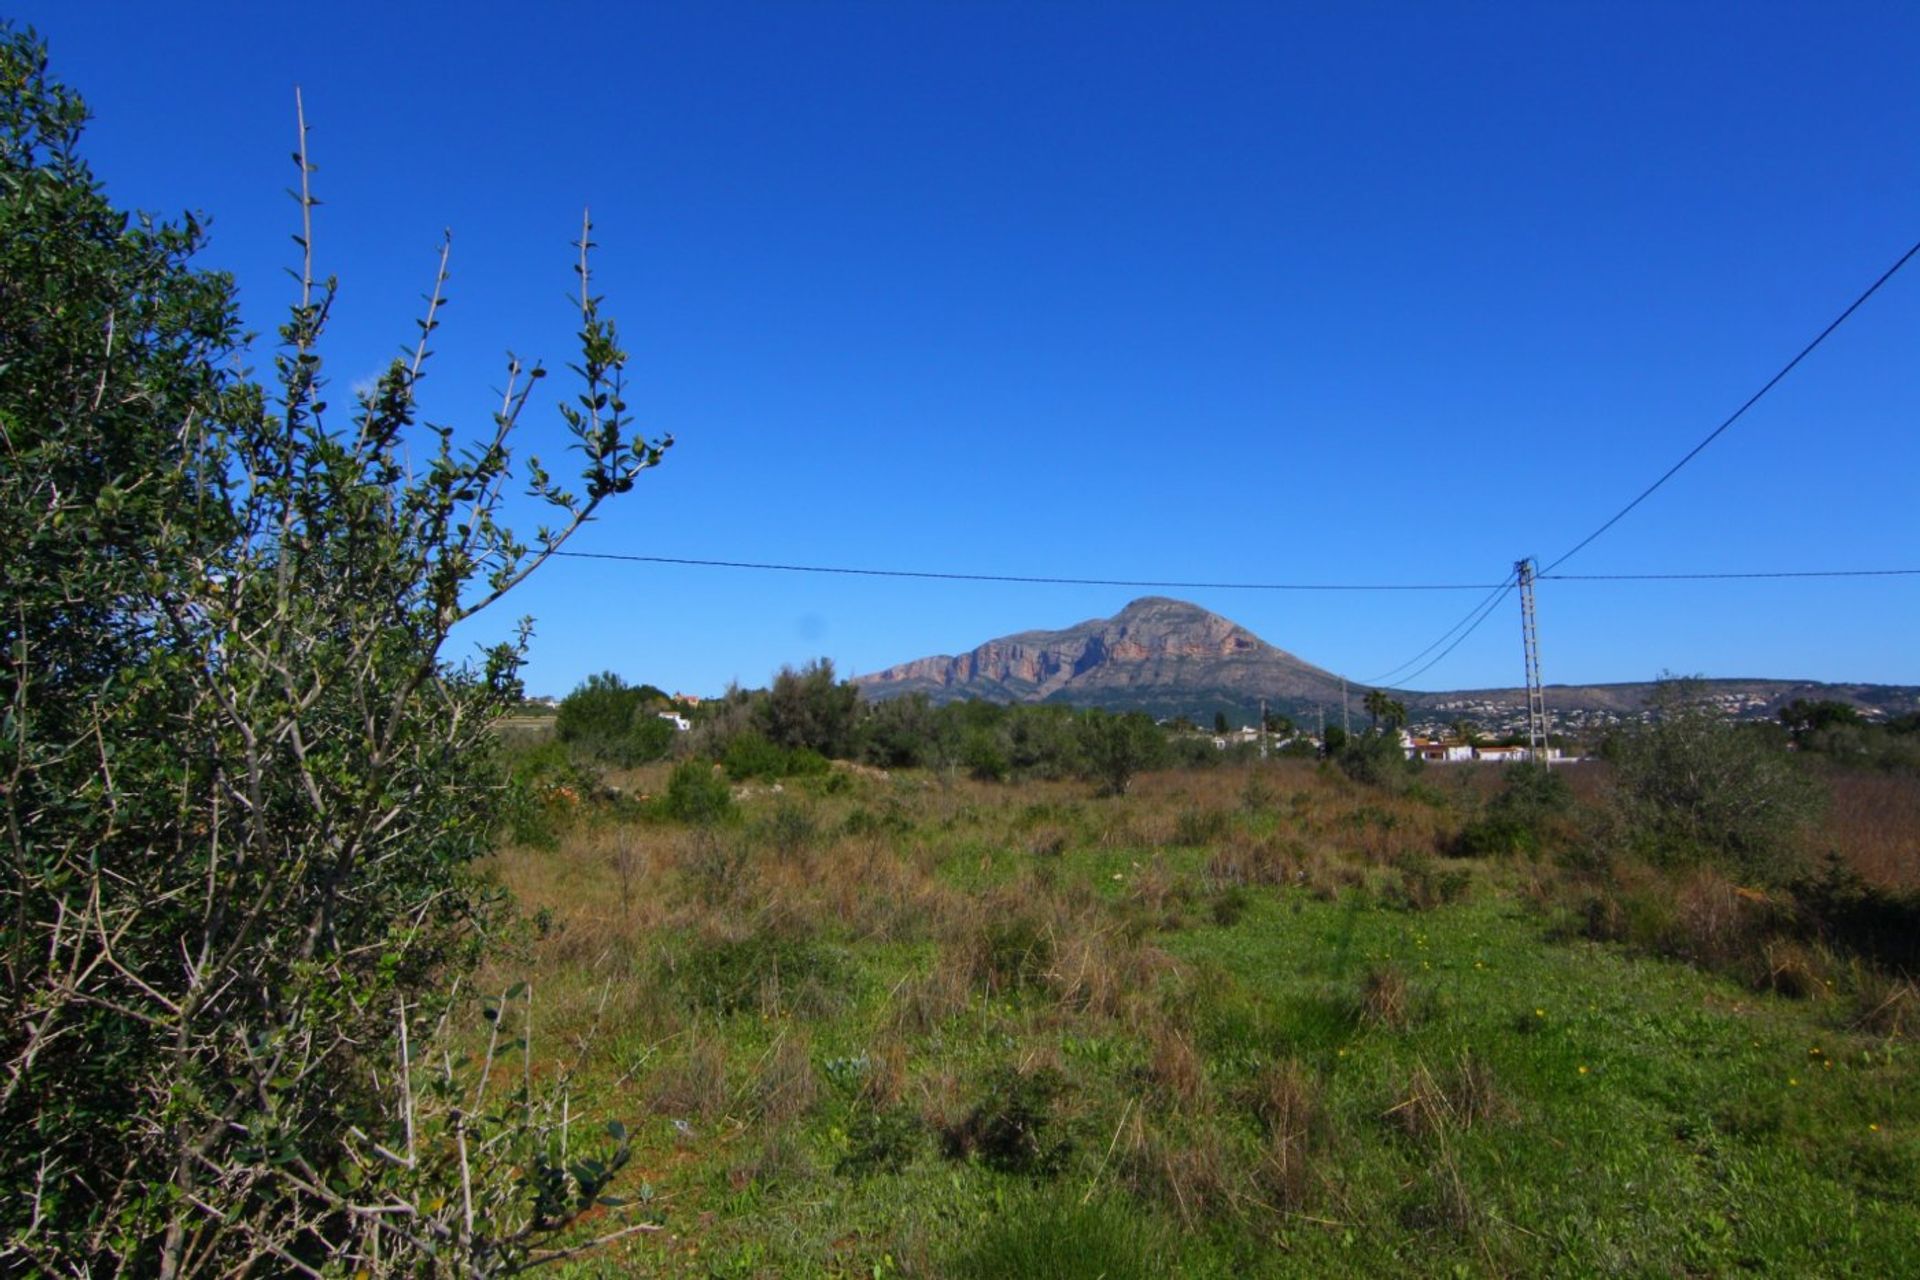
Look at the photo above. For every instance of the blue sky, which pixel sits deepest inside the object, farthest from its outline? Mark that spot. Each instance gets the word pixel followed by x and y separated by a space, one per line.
pixel 1335 293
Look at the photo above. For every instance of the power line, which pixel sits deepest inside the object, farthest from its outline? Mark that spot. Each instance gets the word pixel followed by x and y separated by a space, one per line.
pixel 1752 400
pixel 1487 612
pixel 1038 581
pixel 1708 577
pixel 1444 636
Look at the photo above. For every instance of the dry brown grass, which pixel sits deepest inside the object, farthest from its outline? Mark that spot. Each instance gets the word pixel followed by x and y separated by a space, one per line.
pixel 692 1084
pixel 1874 824
pixel 1286 1099
pixel 1432 1105
pixel 1193 1174
pixel 787 1087
pixel 1884 1005
pixel 1386 998
pixel 1174 1068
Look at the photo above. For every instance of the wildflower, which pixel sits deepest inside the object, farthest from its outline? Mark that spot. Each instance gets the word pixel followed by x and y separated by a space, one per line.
pixel 1873 1128
pixel 1792 1081
pixel 1583 1068
pixel 1539 1013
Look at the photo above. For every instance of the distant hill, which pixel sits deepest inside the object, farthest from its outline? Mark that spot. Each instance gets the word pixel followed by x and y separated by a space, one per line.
pixel 1168 657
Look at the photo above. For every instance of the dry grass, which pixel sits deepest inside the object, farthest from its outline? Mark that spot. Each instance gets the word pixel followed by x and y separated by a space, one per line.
pixel 1386 998
pixel 1287 1102
pixel 1175 1069
pixel 1874 824
pixel 1431 1106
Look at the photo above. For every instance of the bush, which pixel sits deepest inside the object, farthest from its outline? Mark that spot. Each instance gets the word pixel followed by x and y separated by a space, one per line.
pixel 697 793
pixel 232 733
pixel 1116 747
pixel 1695 788
pixel 1517 819
pixel 1375 760
pixel 1010 1129
pixel 609 720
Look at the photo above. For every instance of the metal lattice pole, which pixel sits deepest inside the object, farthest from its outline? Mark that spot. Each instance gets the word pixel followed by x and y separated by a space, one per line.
pixel 1530 640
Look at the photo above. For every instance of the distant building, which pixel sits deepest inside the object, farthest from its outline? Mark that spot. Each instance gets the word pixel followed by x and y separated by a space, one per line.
pixel 679 722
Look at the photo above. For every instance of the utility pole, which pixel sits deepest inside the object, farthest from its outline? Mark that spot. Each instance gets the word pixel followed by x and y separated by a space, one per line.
pixel 1346 712
pixel 1321 707
pixel 1263 728
pixel 1530 641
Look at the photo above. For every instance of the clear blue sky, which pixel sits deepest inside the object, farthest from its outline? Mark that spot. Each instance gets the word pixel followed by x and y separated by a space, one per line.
pixel 1337 293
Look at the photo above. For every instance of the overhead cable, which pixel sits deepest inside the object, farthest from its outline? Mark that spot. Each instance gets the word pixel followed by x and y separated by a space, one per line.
pixel 1736 415
pixel 1486 612
pixel 1708 577
pixel 1444 635
pixel 1039 581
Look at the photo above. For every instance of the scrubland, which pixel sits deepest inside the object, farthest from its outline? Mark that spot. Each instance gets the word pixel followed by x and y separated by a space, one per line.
pixel 1242 1021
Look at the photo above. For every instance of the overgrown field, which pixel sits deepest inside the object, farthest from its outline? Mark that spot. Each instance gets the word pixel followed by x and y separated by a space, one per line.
pixel 1244 1021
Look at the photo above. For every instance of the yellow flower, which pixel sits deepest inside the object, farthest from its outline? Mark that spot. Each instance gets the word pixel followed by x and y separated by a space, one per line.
pixel 1792 1081
pixel 1873 1128
pixel 1583 1069
pixel 1539 1013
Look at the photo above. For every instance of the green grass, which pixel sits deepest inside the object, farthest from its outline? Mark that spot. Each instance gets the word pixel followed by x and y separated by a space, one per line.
pixel 1541 1108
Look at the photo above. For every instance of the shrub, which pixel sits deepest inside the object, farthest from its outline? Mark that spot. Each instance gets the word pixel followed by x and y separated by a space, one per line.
pixel 1693 787
pixel 1517 819
pixel 1116 747
pixel 1010 1129
pixel 609 720
pixel 751 755
pixel 232 732
pixel 1375 760
pixel 697 794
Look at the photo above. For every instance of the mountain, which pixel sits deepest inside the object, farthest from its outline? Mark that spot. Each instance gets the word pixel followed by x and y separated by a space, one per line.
pixel 1168 657
pixel 1159 655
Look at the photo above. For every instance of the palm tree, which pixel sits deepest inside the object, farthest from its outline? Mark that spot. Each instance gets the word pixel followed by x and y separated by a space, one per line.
pixel 1378 704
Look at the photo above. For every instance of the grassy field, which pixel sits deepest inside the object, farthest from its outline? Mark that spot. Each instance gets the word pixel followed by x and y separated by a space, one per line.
pixel 1236 1022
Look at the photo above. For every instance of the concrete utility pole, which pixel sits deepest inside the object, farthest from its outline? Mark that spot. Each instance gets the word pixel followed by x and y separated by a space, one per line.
pixel 1530 641
pixel 1263 728
pixel 1346 712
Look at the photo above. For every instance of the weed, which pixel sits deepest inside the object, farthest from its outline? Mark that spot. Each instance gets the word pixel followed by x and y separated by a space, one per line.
pixel 1229 905
pixel 1060 1237
pixel 788 1087
pixel 787 829
pixel 1010 1128
pixel 1386 998
pixel 1200 827
pixel 725 975
pixel 880 1140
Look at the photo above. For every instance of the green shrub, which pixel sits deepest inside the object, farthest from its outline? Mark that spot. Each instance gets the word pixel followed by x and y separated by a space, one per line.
pixel 751 755
pixel 1517 819
pixel 247 780
pixel 696 793
pixel 1695 788
pixel 1011 1128
pixel 1375 760
pixel 608 720
pixel 880 1140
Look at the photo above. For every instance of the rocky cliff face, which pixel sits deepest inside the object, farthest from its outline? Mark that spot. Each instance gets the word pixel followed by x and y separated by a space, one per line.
pixel 1152 643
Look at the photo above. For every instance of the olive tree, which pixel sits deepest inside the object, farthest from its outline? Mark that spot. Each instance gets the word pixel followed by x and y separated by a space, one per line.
pixel 245 780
